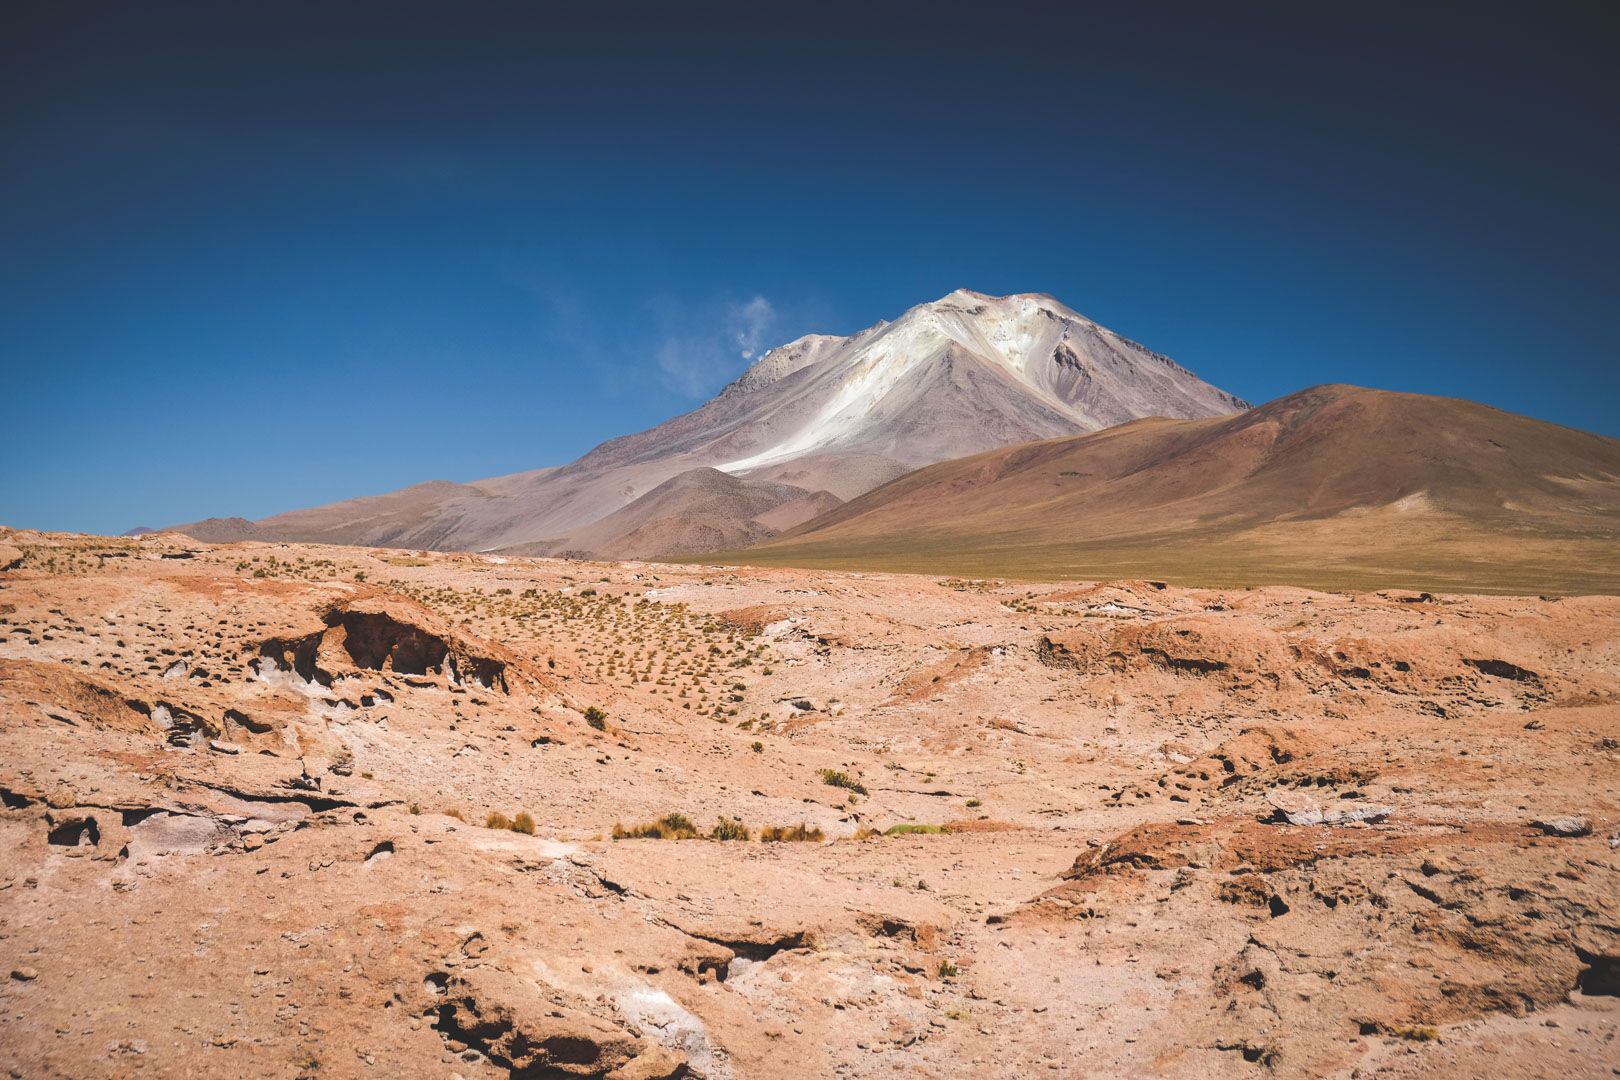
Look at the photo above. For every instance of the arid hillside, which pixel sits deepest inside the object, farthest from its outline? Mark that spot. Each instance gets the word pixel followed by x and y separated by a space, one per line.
pixel 309 811
pixel 1335 487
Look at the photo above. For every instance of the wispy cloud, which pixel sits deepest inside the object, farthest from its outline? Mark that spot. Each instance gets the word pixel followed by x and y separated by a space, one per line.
pixel 698 346
pixel 681 346
pixel 755 319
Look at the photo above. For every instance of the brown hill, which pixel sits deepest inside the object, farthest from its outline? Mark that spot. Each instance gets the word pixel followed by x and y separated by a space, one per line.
pixel 1332 486
pixel 371 519
pixel 699 510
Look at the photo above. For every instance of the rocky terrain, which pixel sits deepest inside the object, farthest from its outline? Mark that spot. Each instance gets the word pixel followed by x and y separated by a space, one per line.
pixel 814 422
pixel 304 811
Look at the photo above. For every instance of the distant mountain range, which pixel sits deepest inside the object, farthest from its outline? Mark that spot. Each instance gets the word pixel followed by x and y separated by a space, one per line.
pixel 1335 486
pixel 1011 436
pixel 815 422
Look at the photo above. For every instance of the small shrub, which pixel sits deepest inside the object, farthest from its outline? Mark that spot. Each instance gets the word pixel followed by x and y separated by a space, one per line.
pixel 729 829
pixel 416 809
pixel 523 823
pixel 865 832
pixel 912 830
pixel 834 778
pixel 777 834
pixel 974 804
pixel 759 747
pixel 947 970
pixel 497 820
pixel 453 812
pixel 596 718
pixel 1415 1033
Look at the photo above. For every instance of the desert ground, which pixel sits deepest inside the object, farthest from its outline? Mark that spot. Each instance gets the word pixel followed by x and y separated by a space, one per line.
pixel 310 811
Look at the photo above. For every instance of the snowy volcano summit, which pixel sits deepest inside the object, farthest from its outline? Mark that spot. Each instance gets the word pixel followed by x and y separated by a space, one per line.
pixel 813 422
pixel 967 372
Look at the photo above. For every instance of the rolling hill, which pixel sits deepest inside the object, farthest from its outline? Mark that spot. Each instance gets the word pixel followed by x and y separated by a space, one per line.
pixel 1334 486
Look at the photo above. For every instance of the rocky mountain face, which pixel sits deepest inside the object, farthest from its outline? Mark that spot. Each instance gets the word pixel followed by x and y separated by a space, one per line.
pixel 818 419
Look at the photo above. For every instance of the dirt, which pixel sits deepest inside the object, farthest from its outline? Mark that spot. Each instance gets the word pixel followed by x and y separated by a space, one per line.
pixel 244 794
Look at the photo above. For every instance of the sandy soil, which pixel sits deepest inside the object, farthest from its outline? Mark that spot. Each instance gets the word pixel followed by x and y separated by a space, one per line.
pixel 1184 833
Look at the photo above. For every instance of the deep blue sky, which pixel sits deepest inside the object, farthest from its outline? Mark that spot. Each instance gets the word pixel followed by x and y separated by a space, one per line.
pixel 258 256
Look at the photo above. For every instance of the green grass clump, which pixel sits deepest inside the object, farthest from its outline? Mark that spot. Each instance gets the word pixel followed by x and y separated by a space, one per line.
pixel 835 778
pixel 777 834
pixel 668 827
pixel 912 830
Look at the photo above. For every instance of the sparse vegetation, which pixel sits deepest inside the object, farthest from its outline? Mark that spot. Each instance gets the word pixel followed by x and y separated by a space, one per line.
pixel 669 827
pixel 915 830
pixel 837 779
pixel 947 970
pixel 729 829
pixel 596 718
pixel 776 834
pixel 970 584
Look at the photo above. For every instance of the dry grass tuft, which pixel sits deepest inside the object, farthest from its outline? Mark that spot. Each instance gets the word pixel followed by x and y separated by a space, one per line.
pixel 668 827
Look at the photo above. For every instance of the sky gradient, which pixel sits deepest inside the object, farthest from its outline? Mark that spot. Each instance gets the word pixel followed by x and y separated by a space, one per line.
pixel 262 256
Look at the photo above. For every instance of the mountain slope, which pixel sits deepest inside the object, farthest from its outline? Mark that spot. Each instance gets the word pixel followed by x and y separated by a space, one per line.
pixel 965 373
pixel 1332 485
pixel 412 512
pixel 699 510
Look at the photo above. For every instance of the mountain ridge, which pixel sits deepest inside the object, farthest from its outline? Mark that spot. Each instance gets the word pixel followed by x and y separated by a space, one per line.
pixel 964 373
